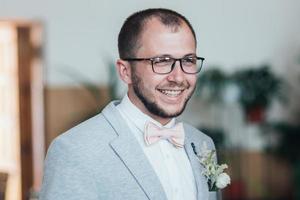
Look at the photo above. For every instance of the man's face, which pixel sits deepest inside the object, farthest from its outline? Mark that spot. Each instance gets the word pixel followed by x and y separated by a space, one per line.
pixel 162 96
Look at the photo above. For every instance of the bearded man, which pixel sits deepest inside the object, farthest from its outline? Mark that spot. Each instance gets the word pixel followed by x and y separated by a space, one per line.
pixel 135 148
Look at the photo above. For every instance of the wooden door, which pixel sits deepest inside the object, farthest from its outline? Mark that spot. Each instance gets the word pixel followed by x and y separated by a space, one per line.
pixel 21 90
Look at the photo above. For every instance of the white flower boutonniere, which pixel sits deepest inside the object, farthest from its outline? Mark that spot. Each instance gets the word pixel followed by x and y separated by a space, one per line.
pixel 213 172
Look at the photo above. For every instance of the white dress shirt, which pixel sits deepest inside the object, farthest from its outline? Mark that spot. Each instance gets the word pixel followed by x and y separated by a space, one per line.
pixel 171 164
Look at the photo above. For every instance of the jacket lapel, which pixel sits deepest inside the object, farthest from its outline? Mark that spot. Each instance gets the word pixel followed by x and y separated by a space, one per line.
pixel 129 151
pixel 202 188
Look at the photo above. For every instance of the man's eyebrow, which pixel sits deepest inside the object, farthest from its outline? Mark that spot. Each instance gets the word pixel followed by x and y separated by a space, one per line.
pixel 190 54
pixel 163 55
pixel 168 55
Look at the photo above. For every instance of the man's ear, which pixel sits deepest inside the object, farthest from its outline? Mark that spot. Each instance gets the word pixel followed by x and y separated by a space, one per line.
pixel 124 70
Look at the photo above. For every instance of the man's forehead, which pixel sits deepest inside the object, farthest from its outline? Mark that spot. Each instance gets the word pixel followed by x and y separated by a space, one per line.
pixel 152 26
pixel 155 28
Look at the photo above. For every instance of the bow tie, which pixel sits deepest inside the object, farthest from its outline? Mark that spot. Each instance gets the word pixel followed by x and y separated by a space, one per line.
pixel 174 135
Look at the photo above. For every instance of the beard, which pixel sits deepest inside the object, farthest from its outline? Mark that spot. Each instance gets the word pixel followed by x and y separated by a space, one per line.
pixel 152 106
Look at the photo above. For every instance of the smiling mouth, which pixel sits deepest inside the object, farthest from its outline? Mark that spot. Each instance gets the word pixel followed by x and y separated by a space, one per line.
pixel 171 93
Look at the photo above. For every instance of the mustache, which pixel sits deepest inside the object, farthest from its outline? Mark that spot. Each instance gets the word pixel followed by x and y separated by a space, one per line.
pixel 182 85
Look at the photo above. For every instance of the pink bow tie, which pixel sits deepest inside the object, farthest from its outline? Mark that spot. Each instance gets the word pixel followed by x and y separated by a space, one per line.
pixel 174 135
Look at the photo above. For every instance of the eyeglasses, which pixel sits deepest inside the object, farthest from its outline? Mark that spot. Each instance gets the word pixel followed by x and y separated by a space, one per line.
pixel 165 64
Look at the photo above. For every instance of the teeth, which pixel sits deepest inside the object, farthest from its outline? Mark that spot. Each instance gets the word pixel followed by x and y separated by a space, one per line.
pixel 172 93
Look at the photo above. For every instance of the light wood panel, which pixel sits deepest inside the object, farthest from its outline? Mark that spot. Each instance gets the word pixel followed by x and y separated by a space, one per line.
pixel 68 106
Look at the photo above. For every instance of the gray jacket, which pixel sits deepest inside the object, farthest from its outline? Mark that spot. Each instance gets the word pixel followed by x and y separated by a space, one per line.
pixel 101 159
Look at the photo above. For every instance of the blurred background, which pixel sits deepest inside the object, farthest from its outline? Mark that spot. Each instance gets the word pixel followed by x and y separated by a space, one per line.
pixel 57 69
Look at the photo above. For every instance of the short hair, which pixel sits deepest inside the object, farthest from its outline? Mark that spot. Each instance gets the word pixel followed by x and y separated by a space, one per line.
pixel 130 33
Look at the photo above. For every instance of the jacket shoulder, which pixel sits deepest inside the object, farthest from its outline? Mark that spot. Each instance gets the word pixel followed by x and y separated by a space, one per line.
pixel 87 135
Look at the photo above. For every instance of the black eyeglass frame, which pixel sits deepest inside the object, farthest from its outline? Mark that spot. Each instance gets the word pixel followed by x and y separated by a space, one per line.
pixel 172 66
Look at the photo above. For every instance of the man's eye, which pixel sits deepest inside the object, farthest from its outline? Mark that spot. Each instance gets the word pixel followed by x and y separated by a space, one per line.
pixel 162 60
pixel 190 60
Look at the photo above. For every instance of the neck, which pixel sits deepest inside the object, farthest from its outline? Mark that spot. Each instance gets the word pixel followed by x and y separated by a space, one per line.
pixel 162 121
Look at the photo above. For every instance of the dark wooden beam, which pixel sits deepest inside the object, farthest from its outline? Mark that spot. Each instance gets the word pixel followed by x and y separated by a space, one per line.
pixel 24 72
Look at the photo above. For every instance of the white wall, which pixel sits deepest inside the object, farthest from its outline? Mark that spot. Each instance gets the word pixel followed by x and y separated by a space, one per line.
pixel 81 36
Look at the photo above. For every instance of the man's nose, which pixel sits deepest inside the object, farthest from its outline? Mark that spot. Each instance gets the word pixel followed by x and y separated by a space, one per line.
pixel 176 75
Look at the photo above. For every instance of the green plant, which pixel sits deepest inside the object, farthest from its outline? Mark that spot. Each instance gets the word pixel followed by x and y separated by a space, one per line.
pixel 258 86
pixel 211 83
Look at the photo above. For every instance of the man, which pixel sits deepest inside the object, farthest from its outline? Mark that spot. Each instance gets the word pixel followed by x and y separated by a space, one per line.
pixel 135 149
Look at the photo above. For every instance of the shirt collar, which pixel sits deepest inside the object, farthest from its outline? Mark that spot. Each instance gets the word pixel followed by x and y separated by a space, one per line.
pixel 137 117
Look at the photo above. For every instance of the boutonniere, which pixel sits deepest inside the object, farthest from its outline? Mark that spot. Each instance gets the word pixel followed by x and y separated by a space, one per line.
pixel 213 172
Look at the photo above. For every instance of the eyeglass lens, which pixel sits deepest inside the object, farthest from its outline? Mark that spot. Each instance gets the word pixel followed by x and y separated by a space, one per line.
pixel 164 65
